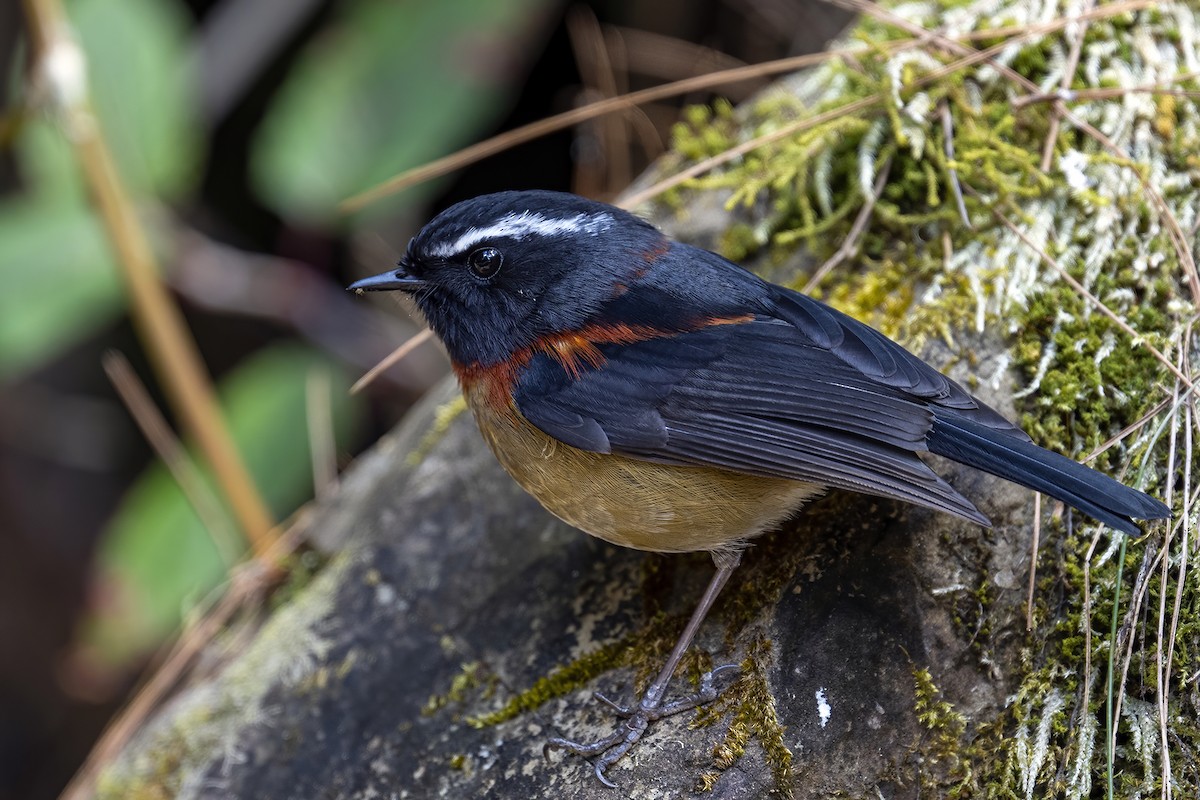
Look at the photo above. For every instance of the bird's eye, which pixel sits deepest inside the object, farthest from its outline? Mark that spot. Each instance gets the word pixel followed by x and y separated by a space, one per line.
pixel 485 262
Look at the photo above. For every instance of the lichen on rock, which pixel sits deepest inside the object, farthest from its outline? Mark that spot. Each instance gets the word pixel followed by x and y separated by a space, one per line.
pixel 884 648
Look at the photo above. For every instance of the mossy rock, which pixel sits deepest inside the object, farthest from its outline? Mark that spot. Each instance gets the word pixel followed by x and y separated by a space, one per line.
pixel 884 648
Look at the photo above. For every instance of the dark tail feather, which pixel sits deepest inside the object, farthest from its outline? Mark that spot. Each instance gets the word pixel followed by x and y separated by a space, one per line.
pixel 1023 462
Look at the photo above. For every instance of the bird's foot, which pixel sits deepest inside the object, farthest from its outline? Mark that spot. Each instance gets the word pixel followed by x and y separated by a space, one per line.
pixel 636 719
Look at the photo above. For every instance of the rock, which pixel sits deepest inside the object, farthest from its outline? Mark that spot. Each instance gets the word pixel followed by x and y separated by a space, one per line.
pixel 454 592
pixel 457 625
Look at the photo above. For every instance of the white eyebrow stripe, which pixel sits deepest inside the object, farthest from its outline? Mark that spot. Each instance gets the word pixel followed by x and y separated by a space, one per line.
pixel 523 224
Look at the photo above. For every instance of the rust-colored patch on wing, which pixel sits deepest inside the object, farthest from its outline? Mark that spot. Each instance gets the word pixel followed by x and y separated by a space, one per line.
pixel 576 351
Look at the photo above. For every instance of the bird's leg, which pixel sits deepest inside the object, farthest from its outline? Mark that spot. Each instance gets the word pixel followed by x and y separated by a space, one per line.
pixel 651 707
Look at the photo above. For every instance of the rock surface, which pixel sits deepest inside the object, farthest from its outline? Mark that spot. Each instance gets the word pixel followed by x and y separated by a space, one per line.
pixel 453 589
pixel 876 641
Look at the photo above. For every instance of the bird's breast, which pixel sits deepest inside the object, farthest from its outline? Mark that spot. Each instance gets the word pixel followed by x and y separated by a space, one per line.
pixel 629 502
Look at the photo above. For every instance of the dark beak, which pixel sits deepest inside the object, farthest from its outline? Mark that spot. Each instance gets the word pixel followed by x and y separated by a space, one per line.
pixel 388 281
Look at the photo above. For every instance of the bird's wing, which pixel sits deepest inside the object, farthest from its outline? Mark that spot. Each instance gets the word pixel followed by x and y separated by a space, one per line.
pixel 803 393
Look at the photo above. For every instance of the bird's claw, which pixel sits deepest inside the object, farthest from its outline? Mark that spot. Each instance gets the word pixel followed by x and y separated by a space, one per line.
pixel 611 748
pixel 624 712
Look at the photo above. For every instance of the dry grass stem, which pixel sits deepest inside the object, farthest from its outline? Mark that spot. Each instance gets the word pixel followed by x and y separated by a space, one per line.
pixel 671 59
pixel 850 244
pixel 170 450
pixel 1068 76
pixel 160 324
pixel 1085 294
pixel 948 134
pixel 708 164
pixel 318 407
pixel 415 341
pixel 558 122
pixel 1033 554
pixel 614 170
pixel 1178 238
pixel 921 36
pixel 1129 430
pixel 1160 673
pixel 246 585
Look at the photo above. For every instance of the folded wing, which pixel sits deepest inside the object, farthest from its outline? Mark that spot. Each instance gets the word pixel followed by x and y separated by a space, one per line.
pixel 757 397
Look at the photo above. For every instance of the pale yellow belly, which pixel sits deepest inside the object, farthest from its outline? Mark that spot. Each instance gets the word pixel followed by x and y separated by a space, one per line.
pixel 635 503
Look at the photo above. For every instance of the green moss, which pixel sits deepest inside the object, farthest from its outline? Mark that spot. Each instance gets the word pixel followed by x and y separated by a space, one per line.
pixel 299 569
pixel 750 705
pixel 161 766
pixel 922 276
pixel 628 650
pixel 473 680
pixel 942 751
pixel 204 723
pixel 444 415
pixel 1091 380
pixel 705 131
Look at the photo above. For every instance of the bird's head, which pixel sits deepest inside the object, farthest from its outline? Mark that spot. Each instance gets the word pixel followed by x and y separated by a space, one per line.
pixel 496 273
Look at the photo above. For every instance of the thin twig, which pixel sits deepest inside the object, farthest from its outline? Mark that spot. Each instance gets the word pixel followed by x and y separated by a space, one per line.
pixel 948 134
pixel 669 58
pixel 1059 109
pixel 637 118
pixel 1180 581
pixel 246 583
pixel 1087 295
pixel 399 353
pixel 1033 554
pixel 1103 12
pixel 1141 586
pixel 1129 429
pixel 1087 95
pixel 535 130
pixel 161 327
pixel 1111 721
pixel 1164 579
pixel 745 147
pixel 567 119
pixel 973 57
pixel 1174 229
pixel 1087 617
pixel 173 456
pixel 321 440
pixel 599 79
pixel 850 243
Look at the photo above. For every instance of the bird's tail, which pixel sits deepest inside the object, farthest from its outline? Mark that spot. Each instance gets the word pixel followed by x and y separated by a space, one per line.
pixel 1023 462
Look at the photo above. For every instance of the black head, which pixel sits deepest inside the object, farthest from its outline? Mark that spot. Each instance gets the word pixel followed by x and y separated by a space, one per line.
pixel 495 273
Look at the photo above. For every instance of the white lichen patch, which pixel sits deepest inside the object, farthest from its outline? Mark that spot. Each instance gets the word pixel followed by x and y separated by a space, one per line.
pixel 824 710
pixel 1031 752
pixel 1080 250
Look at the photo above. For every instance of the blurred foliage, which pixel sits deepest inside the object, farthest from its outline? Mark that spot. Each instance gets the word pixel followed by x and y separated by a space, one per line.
pixel 59 280
pixel 157 558
pixel 57 269
pixel 387 87
pixel 384 87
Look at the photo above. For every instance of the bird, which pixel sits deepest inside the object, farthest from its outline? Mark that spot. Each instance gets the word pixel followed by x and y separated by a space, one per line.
pixel 660 397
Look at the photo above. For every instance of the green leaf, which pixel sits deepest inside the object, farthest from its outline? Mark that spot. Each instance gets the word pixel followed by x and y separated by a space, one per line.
pixel 59 281
pixel 156 558
pixel 56 265
pixel 141 90
pixel 388 86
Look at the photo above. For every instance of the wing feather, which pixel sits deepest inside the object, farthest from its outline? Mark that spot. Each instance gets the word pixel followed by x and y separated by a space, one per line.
pixel 757 398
